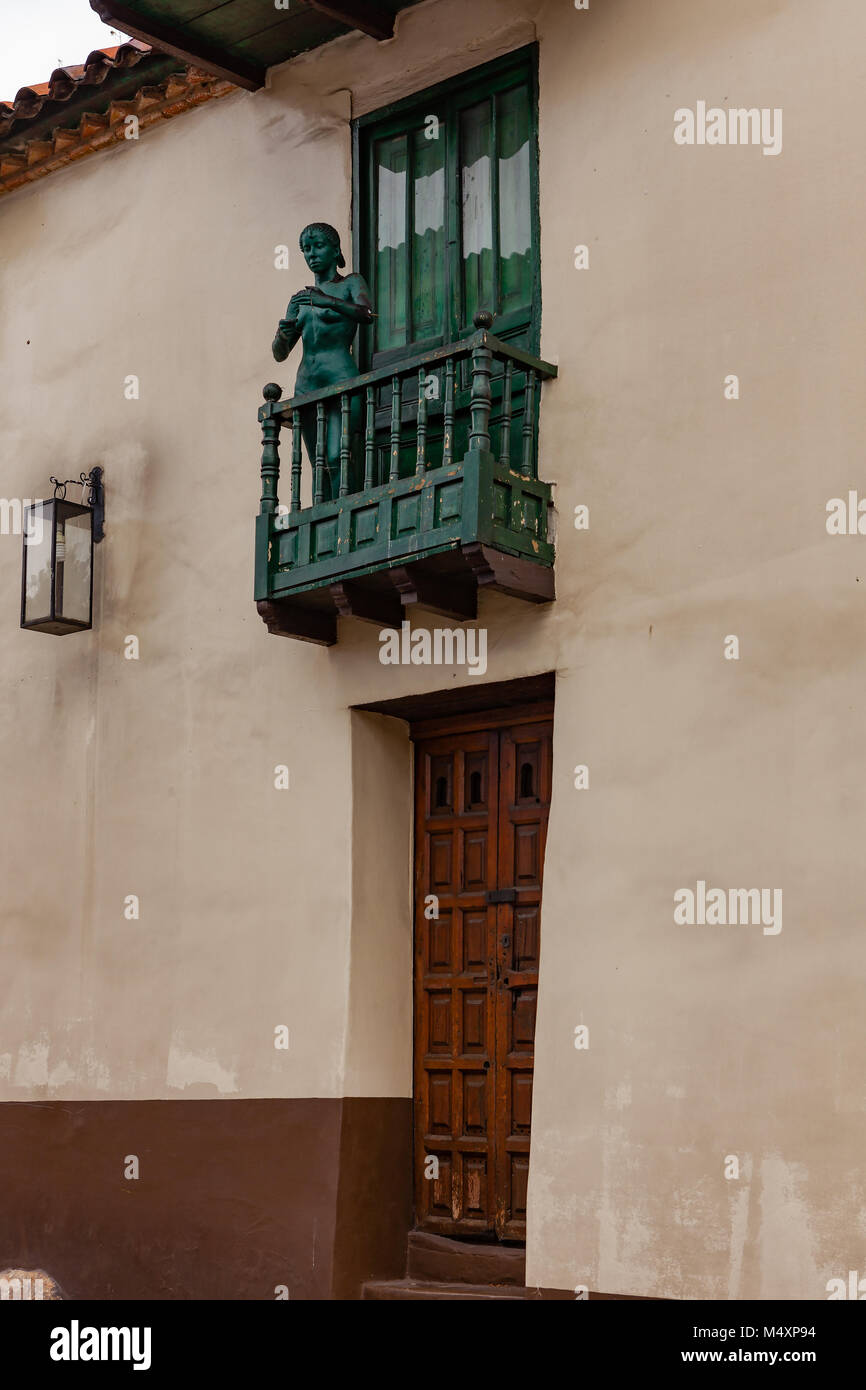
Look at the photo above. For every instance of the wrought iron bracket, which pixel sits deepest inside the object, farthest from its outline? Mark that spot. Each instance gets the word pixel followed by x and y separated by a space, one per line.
pixel 95 500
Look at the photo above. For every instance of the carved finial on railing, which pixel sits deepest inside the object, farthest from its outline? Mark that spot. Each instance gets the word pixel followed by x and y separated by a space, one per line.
pixel 421 453
pixel 396 425
pixel 270 447
pixel 448 435
pixel 319 467
pixel 479 404
pixel 296 461
pixel 529 466
pixel 370 438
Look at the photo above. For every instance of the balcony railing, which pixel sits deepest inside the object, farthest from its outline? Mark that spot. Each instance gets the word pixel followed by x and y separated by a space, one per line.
pixel 422 484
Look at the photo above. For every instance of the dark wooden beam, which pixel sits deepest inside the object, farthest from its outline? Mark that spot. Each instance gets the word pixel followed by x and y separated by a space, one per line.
pixel 511 574
pixel 438 592
pixel 370 18
pixel 287 619
pixel 477 698
pixel 378 606
pixel 200 52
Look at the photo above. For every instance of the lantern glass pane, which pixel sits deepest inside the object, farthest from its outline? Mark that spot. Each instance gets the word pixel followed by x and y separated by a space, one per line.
pixel 37 537
pixel 72 578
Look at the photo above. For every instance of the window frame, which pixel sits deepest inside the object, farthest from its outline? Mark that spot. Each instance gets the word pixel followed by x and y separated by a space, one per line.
pixel 490 78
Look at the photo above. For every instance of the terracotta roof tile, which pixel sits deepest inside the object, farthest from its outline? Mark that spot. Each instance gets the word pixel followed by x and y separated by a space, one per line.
pixel 32 145
pixel 66 82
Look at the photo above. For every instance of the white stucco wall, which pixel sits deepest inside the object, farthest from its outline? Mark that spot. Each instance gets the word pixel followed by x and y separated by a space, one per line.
pixel 155 777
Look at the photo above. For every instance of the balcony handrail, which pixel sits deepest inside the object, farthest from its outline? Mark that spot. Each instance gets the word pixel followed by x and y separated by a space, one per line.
pixel 482 347
pixel 408 366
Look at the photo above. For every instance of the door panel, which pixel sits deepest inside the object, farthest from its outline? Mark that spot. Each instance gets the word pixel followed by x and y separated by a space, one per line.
pixel 524 803
pixel 482 801
pixel 456 862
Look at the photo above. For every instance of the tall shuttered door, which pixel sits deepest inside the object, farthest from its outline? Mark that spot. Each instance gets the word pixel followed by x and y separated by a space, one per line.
pixel 482 801
pixel 447 216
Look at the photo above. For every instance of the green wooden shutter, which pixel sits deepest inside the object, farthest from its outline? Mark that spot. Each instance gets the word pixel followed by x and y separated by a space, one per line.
pixel 446 215
pixel 517 257
pixel 390 275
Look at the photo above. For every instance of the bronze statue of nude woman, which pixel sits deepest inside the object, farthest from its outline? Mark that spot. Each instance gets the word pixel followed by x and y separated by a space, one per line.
pixel 325 317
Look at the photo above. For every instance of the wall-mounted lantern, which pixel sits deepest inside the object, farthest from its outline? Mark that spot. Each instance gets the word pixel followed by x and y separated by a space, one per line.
pixel 59 536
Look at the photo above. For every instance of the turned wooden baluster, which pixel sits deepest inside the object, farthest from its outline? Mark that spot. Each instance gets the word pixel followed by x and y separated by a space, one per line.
pixel 479 404
pixel 505 427
pixel 270 448
pixel 448 436
pixel 344 444
pixel 319 482
pixel 396 391
pixel 528 468
pixel 421 464
pixel 296 461
pixel 370 440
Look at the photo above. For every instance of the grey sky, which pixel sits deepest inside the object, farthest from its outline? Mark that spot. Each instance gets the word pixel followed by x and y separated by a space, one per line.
pixel 37 36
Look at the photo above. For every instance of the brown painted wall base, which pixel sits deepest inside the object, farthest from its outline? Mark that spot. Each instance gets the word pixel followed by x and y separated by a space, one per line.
pixel 234 1197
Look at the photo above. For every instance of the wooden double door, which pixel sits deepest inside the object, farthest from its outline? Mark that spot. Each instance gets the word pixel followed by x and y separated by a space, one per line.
pixel 481 811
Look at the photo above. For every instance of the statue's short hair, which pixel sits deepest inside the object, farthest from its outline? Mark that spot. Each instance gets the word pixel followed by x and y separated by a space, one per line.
pixel 329 233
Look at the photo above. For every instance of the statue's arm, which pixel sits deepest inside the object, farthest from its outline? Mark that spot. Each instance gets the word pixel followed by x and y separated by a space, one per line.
pixel 361 300
pixel 288 333
pixel 359 308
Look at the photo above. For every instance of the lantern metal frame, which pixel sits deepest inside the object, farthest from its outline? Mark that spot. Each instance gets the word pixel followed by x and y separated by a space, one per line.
pixel 55 510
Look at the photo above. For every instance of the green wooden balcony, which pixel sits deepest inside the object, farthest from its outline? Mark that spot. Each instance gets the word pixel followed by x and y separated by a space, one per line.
pixel 407 500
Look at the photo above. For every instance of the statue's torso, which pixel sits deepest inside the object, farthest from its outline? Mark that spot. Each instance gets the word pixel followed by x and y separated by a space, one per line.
pixel 327 338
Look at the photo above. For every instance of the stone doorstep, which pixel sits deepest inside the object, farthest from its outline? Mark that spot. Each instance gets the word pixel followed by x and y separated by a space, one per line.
pixel 408 1289
pixel 404 1290
pixel 439 1259
pixel 441 1268
pixel 438 1267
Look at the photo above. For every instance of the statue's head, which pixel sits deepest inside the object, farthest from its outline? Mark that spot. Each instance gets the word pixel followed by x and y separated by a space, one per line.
pixel 320 243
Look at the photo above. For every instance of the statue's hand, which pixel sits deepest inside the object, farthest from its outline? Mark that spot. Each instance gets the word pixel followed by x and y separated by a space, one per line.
pixel 318 298
pixel 286 327
pixel 302 297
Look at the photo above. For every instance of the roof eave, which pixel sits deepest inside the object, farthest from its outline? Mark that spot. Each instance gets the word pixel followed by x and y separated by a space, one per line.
pixel 367 16
pixel 170 39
